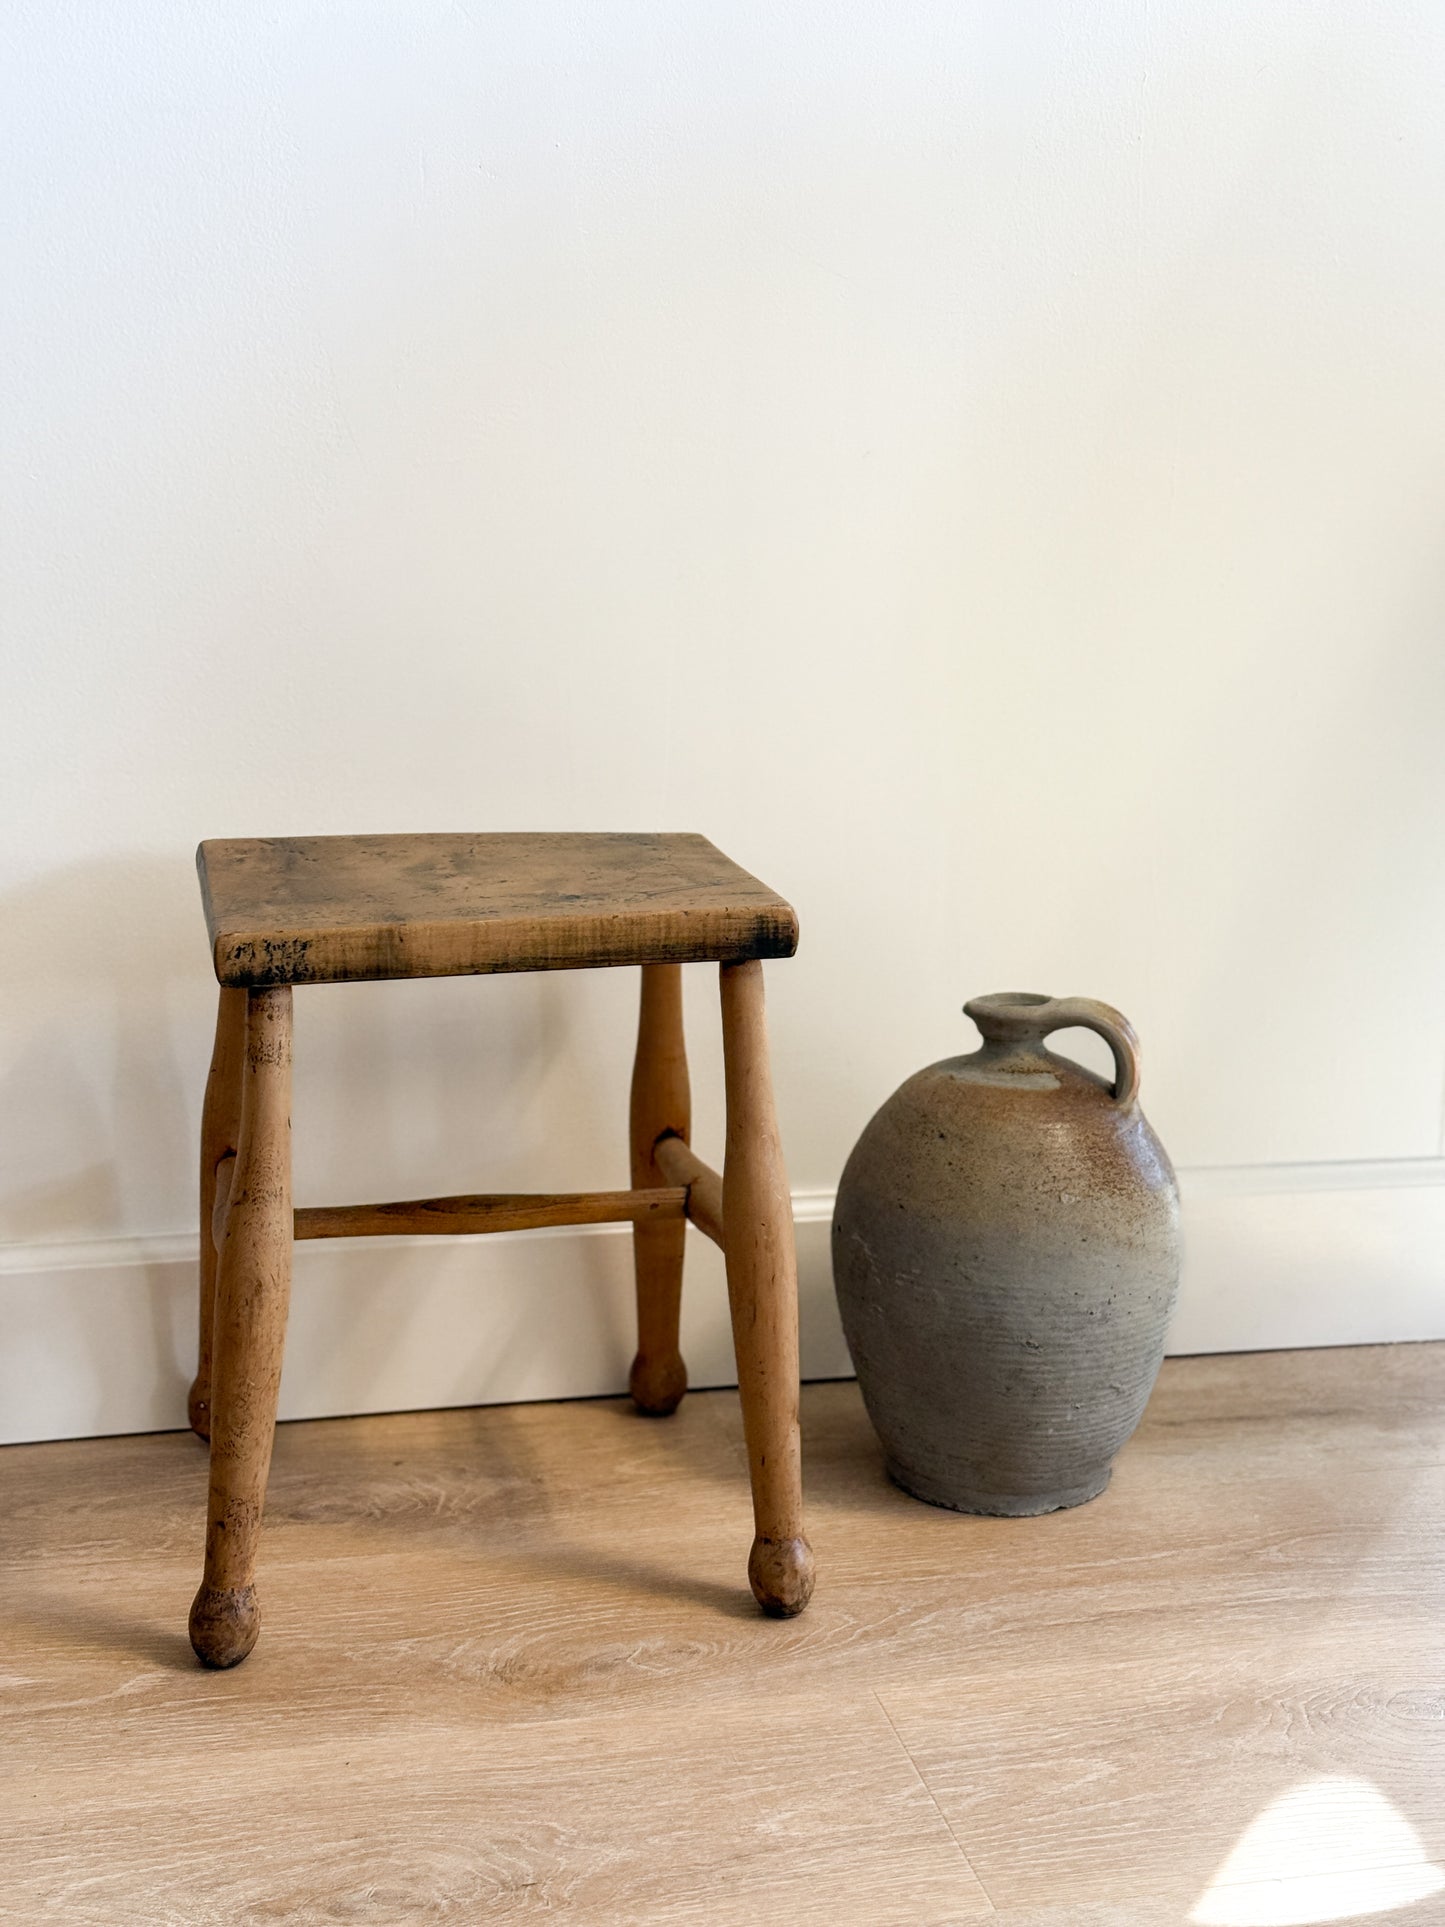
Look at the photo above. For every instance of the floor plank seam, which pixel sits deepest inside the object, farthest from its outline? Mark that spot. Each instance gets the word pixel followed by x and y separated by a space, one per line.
pixel 963 1854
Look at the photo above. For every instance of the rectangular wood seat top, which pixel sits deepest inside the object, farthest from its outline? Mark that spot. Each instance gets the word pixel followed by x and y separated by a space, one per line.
pixel 344 909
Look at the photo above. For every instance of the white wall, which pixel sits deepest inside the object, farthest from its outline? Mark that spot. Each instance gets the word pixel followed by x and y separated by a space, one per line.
pixel 978 463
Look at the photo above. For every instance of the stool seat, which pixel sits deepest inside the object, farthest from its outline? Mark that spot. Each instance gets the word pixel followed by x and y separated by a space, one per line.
pixel 346 909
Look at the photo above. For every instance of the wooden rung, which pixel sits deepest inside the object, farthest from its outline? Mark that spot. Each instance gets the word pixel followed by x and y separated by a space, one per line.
pixel 505 1211
pixel 678 1161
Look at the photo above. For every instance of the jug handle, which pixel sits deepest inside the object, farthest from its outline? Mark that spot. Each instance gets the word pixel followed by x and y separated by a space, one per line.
pixel 1087 1013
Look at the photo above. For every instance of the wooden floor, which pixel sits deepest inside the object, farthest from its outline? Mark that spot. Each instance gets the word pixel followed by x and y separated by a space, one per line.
pixel 509 1667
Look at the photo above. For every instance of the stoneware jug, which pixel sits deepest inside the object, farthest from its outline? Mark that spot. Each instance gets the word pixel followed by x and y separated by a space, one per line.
pixel 1006 1254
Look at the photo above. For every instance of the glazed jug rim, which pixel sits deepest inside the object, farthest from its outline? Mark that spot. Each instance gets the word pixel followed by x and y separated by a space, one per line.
pixel 1006 1016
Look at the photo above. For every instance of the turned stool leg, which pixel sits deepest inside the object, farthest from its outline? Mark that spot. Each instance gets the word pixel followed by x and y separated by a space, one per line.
pixel 220 1126
pixel 661 1106
pixel 253 1289
pixel 762 1271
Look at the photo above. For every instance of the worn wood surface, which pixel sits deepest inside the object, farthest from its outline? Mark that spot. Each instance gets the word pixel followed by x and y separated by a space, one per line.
pixel 221 1181
pixel 660 1102
pixel 340 909
pixel 536 1688
pixel 491 1211
pixel 220 1128
pixel 253 1294
pixel 762 1275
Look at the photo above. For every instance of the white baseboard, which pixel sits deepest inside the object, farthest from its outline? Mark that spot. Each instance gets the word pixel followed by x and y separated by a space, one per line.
pixel 99 1338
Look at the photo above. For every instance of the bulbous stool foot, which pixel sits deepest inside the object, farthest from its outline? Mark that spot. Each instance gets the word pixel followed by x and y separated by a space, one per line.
pixel 657 1385
pixel 780 1572
pixel 224 1625
pixel 198 1409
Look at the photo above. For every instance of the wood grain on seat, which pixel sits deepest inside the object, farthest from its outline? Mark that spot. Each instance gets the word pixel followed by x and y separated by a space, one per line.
pixel 343 909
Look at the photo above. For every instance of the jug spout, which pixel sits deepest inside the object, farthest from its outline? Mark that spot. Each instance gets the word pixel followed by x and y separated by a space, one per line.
pixel 1011 1016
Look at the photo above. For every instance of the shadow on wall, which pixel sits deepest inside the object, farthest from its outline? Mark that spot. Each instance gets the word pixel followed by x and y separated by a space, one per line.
pixel 104 972
pixel 108 1016
pixel 104 983
pixel 107 1025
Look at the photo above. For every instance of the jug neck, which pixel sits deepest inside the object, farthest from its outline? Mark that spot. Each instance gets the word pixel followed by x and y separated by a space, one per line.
pixel 1011 1017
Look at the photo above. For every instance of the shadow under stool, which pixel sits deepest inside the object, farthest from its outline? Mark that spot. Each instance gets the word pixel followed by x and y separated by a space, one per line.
pixel 284 911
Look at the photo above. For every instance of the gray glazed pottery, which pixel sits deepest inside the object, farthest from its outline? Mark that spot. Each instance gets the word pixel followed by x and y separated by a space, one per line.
pixel 1006 1255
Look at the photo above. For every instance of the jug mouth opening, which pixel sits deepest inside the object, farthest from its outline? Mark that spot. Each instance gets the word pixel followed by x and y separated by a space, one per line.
pixel 1010 1016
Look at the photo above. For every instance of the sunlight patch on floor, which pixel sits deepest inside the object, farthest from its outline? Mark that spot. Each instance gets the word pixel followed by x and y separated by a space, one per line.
pixel 1333 1848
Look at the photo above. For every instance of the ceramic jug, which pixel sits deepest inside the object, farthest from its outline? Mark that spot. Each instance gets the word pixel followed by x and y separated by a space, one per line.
pixel 1006 1255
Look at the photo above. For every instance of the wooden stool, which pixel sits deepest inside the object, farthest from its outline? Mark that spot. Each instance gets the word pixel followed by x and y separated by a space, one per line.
pixel 342 909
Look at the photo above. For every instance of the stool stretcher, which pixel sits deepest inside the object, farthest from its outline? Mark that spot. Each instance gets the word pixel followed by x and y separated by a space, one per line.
pixel 703 1186
pixel 501 1211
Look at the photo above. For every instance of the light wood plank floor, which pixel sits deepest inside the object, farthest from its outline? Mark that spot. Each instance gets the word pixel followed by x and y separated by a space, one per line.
pixel 509 1667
